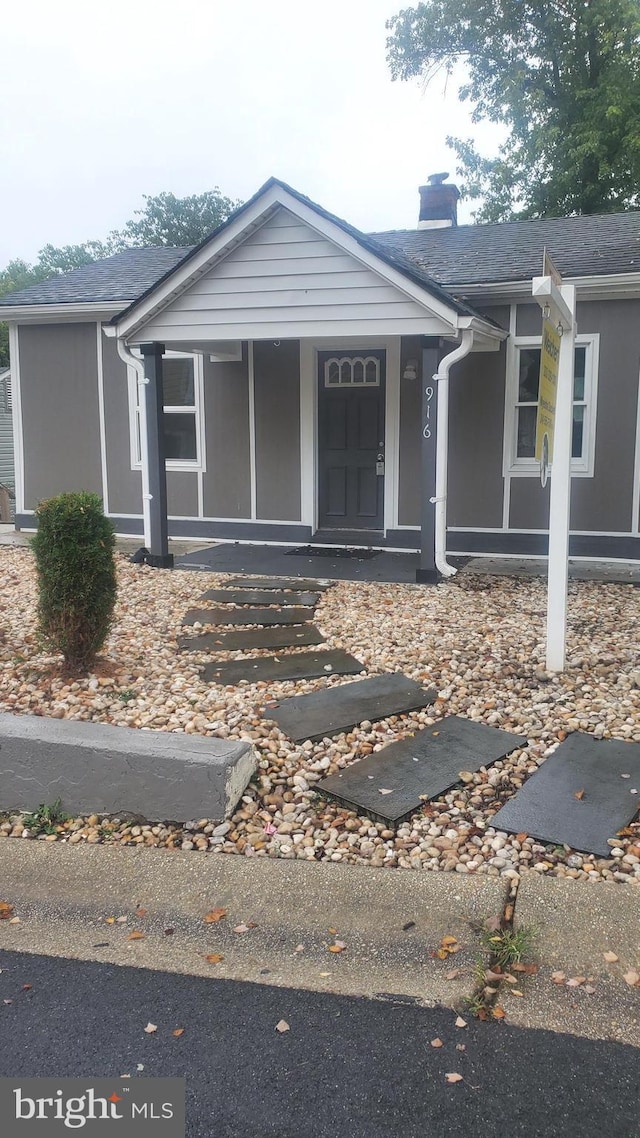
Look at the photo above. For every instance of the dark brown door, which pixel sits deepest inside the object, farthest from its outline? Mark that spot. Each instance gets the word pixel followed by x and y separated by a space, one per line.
pixel 351 388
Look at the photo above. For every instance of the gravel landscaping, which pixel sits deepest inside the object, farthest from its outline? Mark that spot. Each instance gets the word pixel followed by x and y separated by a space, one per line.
pixel 478 639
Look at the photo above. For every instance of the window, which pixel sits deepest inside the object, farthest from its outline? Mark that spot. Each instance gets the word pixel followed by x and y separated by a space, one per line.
pixel 355 371
pixel 525 380
pixel 182 382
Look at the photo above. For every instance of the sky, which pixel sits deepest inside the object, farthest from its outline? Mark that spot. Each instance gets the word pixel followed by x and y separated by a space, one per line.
pixel 102 103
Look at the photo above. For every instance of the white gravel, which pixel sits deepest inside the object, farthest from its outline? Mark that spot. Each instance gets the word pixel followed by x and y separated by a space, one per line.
pixel 479 640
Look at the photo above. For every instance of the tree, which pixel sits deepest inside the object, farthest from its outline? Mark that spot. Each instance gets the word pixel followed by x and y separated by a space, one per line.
pixel 562 76
pixel 165 220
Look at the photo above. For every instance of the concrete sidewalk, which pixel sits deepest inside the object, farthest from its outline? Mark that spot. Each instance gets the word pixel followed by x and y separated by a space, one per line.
pixel 69 901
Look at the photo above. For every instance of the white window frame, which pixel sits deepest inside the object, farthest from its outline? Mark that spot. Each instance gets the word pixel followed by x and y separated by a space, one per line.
pixel 199 462
pixel 528 467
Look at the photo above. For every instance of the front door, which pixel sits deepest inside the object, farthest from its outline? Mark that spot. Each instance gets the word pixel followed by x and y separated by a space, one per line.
pixel 351 388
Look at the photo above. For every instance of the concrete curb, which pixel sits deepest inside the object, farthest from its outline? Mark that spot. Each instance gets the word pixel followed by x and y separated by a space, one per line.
pixel 98 767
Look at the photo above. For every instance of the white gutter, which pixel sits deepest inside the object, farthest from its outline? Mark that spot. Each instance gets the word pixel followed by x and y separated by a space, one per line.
pixel 441 377
pixel 130 360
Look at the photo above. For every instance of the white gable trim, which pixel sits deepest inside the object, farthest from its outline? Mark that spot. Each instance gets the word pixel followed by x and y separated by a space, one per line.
pixel 239 229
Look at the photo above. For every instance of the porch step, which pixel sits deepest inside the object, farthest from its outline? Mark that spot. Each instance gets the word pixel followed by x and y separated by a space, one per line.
pixel 260 597
pixel 295 583
pixel 249 616
pixel 580 797
pixel 341 708
pixel 393 783
pixel 297 666
pixel 291 636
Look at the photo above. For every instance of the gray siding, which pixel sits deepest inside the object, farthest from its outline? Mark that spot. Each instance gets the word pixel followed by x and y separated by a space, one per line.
pixel 61 425
pixel 529 504
pixel 227 483
pixel 7 473
pixel 182 494
pixel 277 427
pixel 476 428
pixel 124 484
pixel 287 280
pixel 409 443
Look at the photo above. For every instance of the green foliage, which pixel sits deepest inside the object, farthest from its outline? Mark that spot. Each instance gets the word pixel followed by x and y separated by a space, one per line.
pixel 508 946
pixel 563 78
pixel 76 576
pixel 46 819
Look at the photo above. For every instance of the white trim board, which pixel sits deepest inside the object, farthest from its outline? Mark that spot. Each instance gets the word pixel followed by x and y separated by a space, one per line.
pixel 102 420
pixel 16 418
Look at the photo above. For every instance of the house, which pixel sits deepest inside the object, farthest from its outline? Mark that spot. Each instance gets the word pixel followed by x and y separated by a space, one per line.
pixel 291 379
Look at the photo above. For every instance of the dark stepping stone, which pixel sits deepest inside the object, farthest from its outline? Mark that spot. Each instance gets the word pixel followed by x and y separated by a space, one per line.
pixel 291 636
pixel 295 583
pixel 579 797
pixel 260 597
pixel 301 666
pixel 421 766
pixel 338 709
pixel 248 616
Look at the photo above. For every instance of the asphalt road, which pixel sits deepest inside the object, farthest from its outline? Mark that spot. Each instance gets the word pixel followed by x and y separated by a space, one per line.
pixel 346 1066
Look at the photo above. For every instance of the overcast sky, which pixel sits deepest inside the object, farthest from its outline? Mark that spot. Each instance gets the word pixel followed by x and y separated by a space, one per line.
pixel 102 103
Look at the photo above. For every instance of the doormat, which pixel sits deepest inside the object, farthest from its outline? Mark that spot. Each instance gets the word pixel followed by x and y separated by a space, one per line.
pixel 581 796
pixel 339 709
pixel 392 784
pixel 328 551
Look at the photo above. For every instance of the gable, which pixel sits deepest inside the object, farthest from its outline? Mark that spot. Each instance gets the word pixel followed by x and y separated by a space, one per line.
pixel 286 279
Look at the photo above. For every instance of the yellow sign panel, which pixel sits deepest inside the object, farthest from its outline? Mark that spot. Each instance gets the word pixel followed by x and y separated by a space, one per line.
pixel 547 392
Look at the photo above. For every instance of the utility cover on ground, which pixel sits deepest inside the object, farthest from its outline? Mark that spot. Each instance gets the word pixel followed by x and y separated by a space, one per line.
pixel 580 797
pixel 394 782
pixel 299 666
pixel 339 709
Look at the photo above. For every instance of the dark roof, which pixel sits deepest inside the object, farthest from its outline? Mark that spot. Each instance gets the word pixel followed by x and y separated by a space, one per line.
pixel 121 277
pixel 512 250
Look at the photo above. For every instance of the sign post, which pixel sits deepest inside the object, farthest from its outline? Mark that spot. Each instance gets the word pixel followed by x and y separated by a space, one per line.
pixel 555 424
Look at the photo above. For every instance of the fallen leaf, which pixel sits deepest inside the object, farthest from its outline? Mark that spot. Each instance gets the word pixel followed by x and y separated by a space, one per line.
pixel 121 920
pixel 150 1028
pixel 610 957
pixel 579 794
pixel 136 935
pixel 625 776
pixel 299 948
pixel 110 920
pixel 14 920
pixel 493 924
pixel 516 992
pixel 632 978
pixel 528 969
pixel 508 912
pixel 589 988
pixel 447 940
pixel 140 1067
pixel 215 915
pixel 558 977
pixel 498 1013
pixel 324 973
pixel 437 1043
pixel 383 790
pixel 141 912
pixel 453 1077
pixel 241 929
pixel 27 987
pixel 7 1001
pixel 338 947
pixel 178 1031
pixel 214 957
pixel 5 911
pixel 435 734
pixel 461 1047
pixel 521 837
pixel 453 975
pixel 460 1022
pixel 334 932
pixel 509 978
pixel 491 975
pixel 489 991
pixel 576 981
pixel 441 954
pixel 282 1025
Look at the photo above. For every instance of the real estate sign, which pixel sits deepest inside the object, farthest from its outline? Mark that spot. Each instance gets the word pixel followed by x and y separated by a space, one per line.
pixel 547 393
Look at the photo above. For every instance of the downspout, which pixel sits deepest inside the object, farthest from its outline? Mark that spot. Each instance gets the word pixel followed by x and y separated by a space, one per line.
pixel 130 360
pixel 441 377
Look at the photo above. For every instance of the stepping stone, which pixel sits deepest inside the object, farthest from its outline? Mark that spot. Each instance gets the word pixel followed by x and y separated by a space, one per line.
pixel 260 597
pixel 295 583
pixel 301 666
pixel 339 709
pixel 579 797
pixel 248 616
pixel 291 636
pixel 391 784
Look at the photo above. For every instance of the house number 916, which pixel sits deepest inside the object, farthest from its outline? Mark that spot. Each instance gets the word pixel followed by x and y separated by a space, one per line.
pixel 426 430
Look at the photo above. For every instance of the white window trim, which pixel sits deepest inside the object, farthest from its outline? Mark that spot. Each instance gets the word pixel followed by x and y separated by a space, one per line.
pixel 528 467
pixel 200 462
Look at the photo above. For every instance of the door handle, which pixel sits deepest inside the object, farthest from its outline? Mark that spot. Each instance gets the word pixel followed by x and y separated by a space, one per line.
pixel 380 464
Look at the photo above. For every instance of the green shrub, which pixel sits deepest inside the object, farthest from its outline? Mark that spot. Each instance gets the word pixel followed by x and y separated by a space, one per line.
pixel 76 576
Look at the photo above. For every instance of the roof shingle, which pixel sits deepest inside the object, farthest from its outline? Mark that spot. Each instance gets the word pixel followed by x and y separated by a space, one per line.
pixel 122 277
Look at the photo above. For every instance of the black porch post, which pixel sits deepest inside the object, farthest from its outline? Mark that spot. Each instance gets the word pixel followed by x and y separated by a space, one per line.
pixel 427 572
pixel 158 554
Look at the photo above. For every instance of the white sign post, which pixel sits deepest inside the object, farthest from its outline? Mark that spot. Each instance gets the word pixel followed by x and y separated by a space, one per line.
pixel 559 305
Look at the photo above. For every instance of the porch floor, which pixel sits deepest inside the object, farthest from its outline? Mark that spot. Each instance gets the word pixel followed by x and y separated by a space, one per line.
pixel 276 561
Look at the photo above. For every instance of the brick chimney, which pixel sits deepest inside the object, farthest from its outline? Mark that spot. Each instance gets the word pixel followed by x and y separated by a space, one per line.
pixel 438 203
